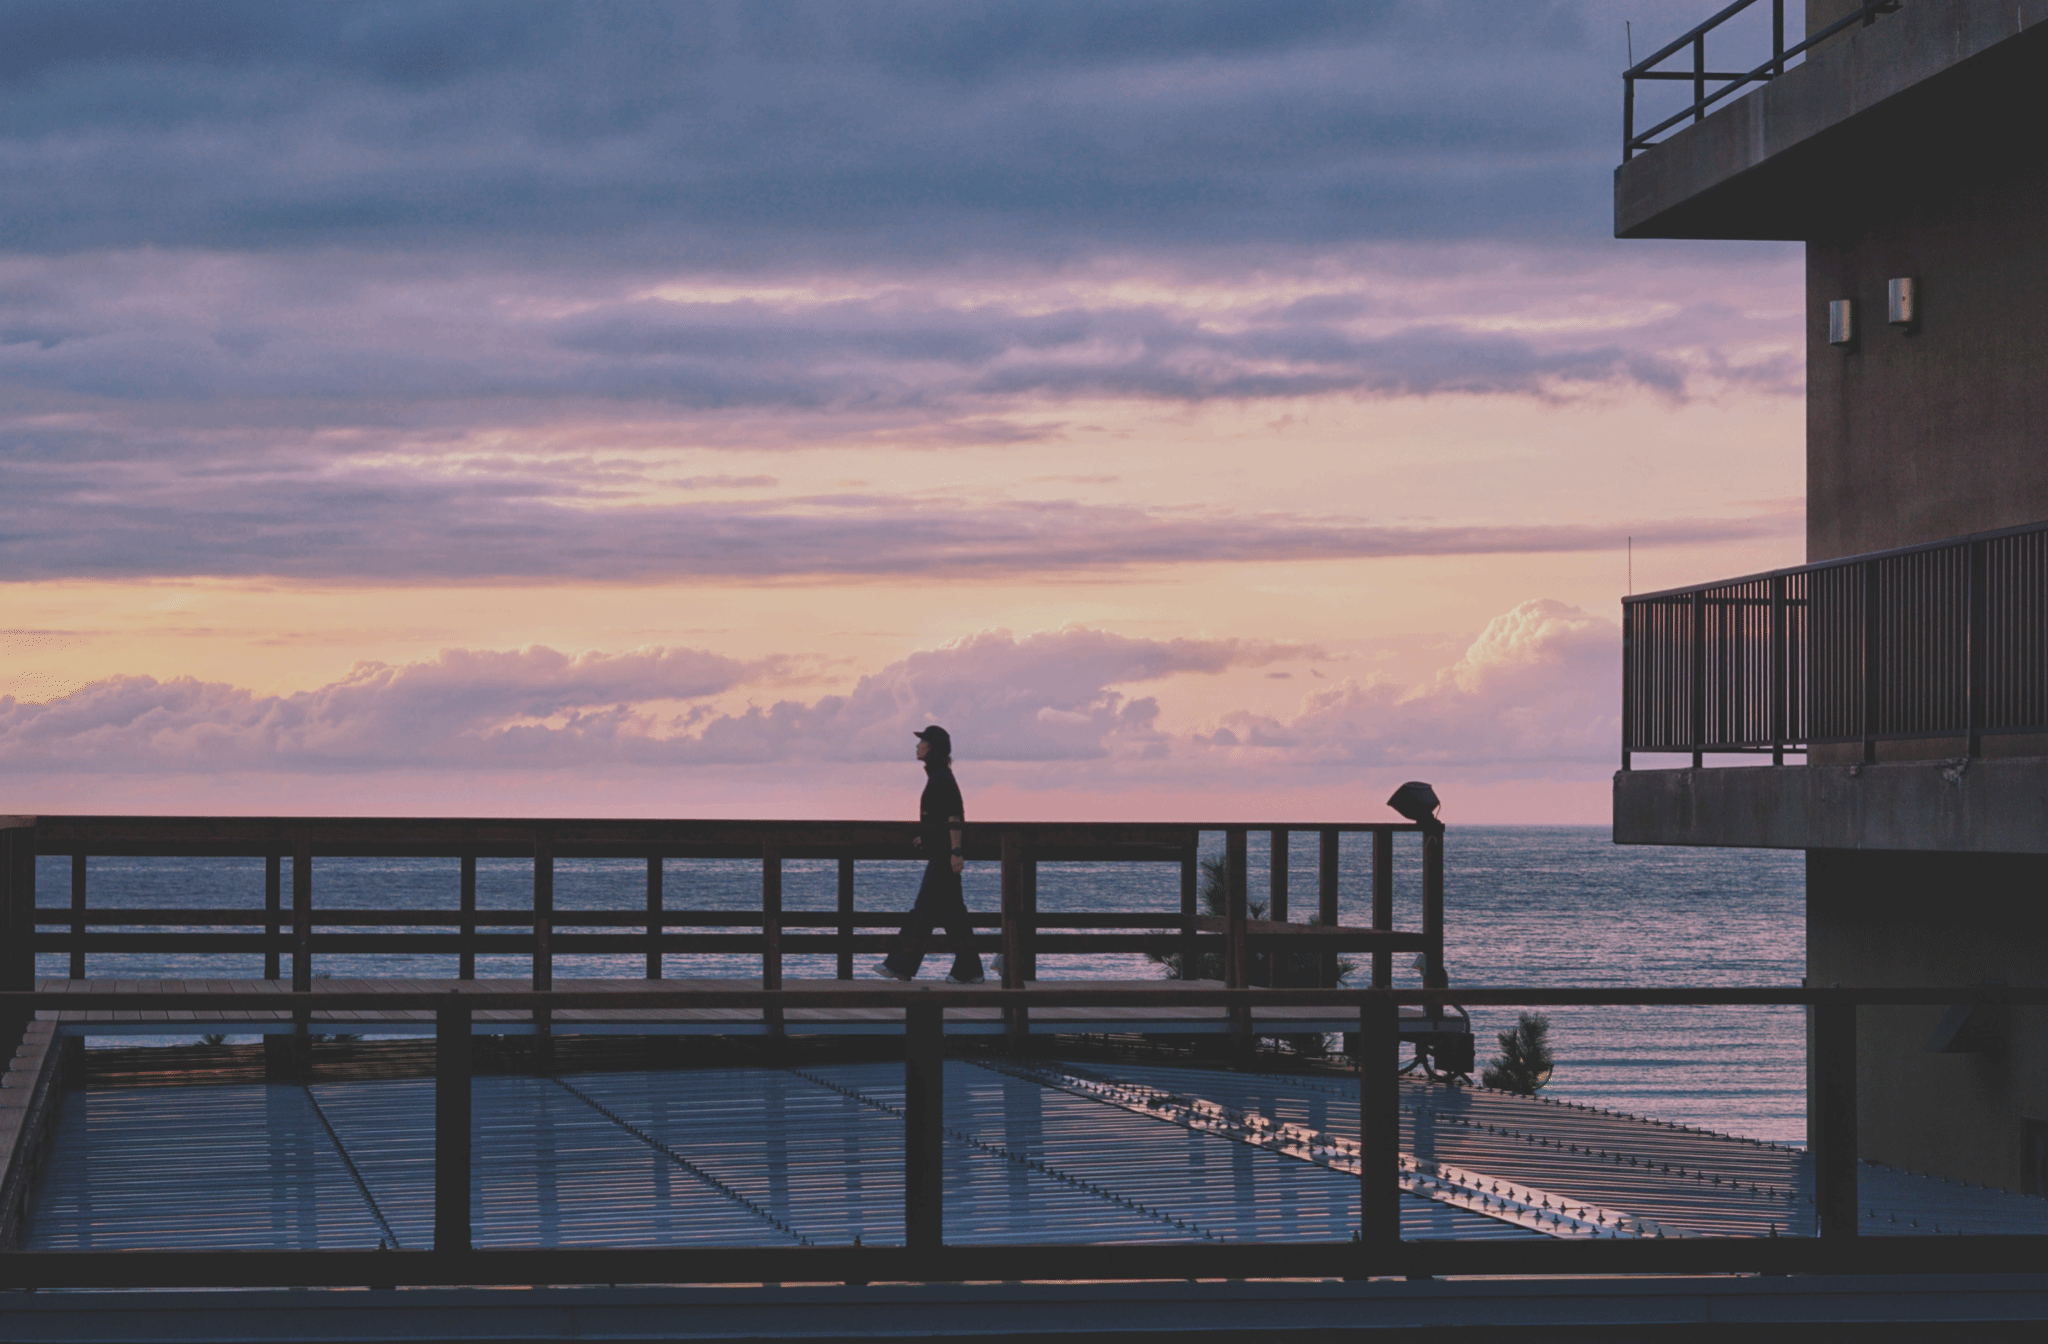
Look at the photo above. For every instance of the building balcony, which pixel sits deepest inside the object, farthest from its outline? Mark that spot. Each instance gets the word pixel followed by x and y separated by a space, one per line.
pixel 1901 699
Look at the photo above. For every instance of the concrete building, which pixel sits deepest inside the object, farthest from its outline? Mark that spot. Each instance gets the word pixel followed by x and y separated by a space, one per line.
pixel 1904 151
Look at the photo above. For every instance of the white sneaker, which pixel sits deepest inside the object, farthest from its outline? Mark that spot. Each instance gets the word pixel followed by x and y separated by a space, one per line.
pixel 995 965
pixel 883 969
pixel 962 980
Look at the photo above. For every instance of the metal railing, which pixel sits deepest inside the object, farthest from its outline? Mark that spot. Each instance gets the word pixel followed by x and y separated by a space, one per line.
pixel 1376 1248
pixel 1704 98
pixel 290 936
pixel 1947 640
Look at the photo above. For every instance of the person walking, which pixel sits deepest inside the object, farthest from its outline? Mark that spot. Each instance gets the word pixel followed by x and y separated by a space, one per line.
pixel 940 815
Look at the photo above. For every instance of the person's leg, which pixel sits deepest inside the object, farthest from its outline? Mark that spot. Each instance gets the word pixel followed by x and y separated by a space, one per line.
pixel 959 928
pixel 908 954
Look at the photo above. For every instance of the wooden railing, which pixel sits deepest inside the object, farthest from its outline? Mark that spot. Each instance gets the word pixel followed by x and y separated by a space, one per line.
pixel 1376 1247
pixel 289 936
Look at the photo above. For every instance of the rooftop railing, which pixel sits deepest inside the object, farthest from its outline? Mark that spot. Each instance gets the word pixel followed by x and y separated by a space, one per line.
pixel 1947 640
pixel 1725 83
pixel 291 932
pixel 925 1255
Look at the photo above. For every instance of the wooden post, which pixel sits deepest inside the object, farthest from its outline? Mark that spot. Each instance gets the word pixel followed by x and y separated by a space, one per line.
pixel 465 968
pixel 452 1057
pixel 543 943
pixel 1027 937
pixel 1379 1132
pixel 273 910
pixel 17 910
pixel 1190 887
pixel 1237 962
pixel 302 916
pixel 1834 1131
pixel 655 927
pixel 1276 871
pixel 543 911
pixel 78 916
pixel 302 954
pixel 1015 1024
pixel 1327 855
pixel 1433 975
pixel 1382 904
pixel 924 1127
pixel 771 927
pixel 846 919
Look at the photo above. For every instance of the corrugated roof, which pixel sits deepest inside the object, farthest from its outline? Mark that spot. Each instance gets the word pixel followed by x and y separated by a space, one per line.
pixel 732 1157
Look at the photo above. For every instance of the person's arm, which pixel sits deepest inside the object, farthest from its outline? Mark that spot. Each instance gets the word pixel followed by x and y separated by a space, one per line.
pixel 959 861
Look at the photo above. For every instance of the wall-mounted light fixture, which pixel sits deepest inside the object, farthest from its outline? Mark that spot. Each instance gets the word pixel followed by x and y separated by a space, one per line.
pixel 1903 304
pixel 1842 322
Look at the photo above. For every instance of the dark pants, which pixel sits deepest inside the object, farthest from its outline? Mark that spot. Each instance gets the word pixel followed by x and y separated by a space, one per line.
pixel 938 902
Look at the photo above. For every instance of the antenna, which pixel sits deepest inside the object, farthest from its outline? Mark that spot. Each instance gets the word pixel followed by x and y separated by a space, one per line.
pixel 1629 32
pixel 1631 566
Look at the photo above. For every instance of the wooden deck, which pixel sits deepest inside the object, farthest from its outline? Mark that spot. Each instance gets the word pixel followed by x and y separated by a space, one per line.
pixel 855 1018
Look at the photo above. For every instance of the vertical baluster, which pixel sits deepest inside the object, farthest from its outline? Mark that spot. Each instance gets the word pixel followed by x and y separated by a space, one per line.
pixel 1014 1026
pixel 1777 37
pixel 1628 681
pixel 1699 78
pixel 1699 677
pixel 1871 597
pixel 1190 884
pixel 1976 634
pixel 1776 636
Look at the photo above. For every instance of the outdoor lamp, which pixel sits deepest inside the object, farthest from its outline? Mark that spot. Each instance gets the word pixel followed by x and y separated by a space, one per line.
pixel 1416 801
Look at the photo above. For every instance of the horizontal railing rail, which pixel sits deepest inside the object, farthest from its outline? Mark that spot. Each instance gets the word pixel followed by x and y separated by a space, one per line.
pixel 291 929
pixel 1376 1248
pixel 1731 82
pixel 1943 640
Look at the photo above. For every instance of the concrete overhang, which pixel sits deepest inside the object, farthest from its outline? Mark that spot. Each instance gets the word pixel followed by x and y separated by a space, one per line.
pixel 1920 99
pixel 1979 806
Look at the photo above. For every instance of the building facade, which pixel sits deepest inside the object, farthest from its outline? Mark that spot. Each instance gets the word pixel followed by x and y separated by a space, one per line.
pixel 1908 661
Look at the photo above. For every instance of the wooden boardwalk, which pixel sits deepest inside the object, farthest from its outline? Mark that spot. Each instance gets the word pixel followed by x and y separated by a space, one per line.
pixel 854 1018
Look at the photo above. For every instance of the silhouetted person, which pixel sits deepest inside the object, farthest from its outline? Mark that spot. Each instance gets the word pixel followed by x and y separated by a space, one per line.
pixel 940 815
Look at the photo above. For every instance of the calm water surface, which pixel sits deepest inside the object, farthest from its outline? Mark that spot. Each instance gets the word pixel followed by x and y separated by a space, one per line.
pixel 1523 906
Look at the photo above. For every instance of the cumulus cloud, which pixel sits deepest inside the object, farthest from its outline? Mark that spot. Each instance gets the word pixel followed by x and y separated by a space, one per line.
pixel 1534 693
pixel 1538 689
pixel 462 708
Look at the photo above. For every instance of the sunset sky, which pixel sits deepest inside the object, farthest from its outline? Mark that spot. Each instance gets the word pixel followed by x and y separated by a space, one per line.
pixel 1205 411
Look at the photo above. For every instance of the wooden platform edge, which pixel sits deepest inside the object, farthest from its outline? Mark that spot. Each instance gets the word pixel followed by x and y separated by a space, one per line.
pixel 28 1099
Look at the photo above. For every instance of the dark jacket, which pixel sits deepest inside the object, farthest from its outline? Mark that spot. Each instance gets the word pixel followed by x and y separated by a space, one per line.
pixel 936 809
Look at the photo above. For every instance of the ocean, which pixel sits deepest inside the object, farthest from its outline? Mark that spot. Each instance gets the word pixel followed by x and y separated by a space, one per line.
pixel 1524 905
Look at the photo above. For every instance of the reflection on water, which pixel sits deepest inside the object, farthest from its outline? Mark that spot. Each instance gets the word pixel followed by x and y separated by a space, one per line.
pixel 1523 906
